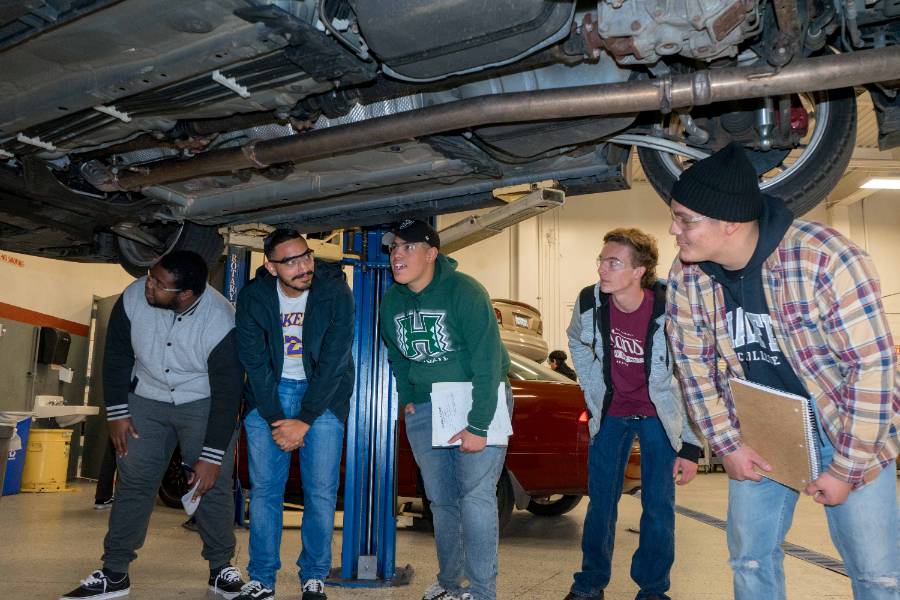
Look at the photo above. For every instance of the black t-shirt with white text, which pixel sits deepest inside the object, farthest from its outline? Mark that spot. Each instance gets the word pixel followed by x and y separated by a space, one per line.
pixel 749 323
pixel 750 329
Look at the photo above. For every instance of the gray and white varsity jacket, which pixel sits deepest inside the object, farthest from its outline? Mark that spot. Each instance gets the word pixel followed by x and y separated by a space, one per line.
pixel 175 358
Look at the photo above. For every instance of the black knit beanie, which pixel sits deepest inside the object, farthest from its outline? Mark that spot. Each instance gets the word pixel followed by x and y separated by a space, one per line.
pixel 722 186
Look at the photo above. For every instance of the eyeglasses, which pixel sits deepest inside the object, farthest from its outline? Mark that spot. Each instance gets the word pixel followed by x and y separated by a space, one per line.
pixel 406 247
pixel 156 283
pixel 293 261
pixel 612 263
pixel 686 222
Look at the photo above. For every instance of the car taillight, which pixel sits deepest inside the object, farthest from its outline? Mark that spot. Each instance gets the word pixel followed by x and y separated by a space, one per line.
pixel 584 417
pixel 499 318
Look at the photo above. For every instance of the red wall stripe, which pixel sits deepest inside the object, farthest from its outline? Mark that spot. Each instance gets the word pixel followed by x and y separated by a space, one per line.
pixel 23 315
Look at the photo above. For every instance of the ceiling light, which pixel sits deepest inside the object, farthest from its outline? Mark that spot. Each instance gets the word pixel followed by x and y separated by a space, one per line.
pixel 882 183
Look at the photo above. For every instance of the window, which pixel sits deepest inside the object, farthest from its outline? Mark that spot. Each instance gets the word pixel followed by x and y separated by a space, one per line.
pixel 523 369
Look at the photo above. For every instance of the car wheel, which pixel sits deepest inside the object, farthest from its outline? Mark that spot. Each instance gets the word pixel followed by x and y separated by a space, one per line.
pixel 505 500
pixel 140 246
pixel 802 178
pixel 552 506
pixel 174 483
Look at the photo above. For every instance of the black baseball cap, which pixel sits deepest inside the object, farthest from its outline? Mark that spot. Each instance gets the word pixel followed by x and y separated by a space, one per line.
pixel 412 230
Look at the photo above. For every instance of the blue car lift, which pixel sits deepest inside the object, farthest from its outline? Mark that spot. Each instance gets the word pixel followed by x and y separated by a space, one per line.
pixel 370 463
pixel 237 273
pixel 370 486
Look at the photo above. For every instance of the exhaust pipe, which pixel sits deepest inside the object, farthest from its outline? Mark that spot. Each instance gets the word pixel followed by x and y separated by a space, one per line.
pixel 665 93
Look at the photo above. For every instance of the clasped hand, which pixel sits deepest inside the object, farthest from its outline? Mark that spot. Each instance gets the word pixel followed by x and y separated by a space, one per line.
pixel 289 434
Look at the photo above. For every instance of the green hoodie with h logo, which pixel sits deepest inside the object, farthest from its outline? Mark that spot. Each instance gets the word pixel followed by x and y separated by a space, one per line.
pixel 446 332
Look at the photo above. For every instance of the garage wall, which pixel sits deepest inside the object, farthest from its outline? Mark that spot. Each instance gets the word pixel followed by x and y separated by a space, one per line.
pixel 545 261
pixel 44 292
pixel 64 290
pixel 874 223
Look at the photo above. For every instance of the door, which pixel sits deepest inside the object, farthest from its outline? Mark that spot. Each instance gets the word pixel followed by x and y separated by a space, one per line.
pixel 18 342
pixel 95 432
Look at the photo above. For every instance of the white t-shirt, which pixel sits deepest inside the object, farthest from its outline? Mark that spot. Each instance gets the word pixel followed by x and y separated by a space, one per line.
pixel 292 310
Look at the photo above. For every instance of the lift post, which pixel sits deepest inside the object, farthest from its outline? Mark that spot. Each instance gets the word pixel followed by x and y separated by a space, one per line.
pixel 237 274
pixel 370 528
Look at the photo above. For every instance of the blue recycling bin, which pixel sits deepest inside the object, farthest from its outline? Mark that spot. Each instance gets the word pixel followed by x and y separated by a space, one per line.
pixel 15 462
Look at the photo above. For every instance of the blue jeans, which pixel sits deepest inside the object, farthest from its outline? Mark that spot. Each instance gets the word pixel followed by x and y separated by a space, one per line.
pixel 865 530
pixel 320 461
pixel 607 458
pixel 462 488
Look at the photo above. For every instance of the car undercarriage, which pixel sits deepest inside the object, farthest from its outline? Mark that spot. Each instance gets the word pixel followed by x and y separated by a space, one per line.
pixel 130 128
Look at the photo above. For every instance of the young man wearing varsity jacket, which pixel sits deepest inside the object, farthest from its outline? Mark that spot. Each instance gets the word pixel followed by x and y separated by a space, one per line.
pixel 171 376
pixel 796 306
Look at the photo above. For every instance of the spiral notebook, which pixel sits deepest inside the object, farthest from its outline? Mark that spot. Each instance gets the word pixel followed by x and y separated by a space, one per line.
pixel 781 427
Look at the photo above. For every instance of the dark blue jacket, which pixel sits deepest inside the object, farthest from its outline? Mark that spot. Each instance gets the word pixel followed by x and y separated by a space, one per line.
pixel 327 341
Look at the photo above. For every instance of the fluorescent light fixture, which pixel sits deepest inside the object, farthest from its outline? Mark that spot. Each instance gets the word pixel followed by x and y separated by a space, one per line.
pixel 882 183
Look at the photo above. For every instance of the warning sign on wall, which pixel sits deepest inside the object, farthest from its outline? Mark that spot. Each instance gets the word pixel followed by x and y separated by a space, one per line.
pixel 11 260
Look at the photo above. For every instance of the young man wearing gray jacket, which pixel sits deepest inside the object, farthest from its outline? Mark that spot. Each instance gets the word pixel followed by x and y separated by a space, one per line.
pixel 170 375
pixel 618 346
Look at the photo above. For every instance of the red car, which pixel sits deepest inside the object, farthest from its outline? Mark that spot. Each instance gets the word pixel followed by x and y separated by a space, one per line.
pixel 546 464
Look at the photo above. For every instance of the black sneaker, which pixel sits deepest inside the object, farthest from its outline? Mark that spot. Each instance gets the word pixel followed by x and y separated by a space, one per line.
pixel 103 504
pixel 314 589
pixel 99 587
pixel 227 583
pixel 574 596
pixel 254 590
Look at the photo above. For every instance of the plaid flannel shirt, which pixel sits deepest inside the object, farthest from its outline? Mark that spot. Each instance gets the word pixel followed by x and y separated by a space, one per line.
pixel 825 303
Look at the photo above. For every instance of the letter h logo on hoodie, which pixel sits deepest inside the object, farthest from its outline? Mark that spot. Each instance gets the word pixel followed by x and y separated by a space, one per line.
pixel 422 336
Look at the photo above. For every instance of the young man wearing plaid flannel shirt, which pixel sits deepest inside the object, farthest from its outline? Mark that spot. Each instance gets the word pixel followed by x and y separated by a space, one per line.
pixel 793 305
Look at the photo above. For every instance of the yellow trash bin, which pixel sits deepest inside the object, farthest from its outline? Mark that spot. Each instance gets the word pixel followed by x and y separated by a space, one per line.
pixel 46 460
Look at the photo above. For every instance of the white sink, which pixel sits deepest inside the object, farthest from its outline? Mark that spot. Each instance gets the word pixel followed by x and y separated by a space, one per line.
pixel 47 407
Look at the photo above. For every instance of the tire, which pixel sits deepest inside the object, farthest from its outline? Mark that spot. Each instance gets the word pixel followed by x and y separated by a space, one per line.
pixel 505 502
pixel 136 258
pixel 174 482
pixel 552 506
pixel 816 171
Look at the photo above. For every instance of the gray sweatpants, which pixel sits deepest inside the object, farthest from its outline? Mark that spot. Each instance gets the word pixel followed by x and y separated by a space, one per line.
pixel 160 426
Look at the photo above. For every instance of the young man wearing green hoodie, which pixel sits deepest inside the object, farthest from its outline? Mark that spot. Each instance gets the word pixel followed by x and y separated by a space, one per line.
pixel 439 326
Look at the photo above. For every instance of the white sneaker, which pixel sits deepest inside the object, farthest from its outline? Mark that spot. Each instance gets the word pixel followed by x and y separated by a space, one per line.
pixel 436 591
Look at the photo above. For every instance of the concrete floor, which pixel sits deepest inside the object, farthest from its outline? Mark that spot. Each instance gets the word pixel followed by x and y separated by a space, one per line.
pixel 51 541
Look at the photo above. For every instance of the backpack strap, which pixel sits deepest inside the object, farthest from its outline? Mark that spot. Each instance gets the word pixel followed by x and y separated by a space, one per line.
pixel 587 302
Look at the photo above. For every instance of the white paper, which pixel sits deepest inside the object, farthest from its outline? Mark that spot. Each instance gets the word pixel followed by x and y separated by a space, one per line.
pixel 12 419
pixel 65 374
pixel 451 402
pixel 190 505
